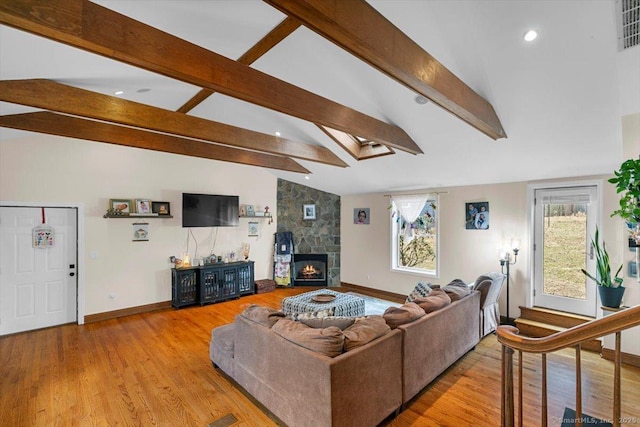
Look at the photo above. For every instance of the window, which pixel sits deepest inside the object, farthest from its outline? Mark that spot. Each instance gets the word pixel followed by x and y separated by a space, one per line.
pixel 414 234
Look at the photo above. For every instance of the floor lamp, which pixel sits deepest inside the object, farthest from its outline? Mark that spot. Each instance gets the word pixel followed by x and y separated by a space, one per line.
pixel 505 263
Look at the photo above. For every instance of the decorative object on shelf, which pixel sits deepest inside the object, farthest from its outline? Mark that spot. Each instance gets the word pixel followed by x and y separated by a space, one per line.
pixel 242 210
pixel 361 216
pixel 609 286
pixel 119 207
pixel 161 208
pixel 308 211
pixel 245 251
pixel 250 210
pixel 477 216
pixel 143 206
pixel 505 263
pixel 43 235
pixel 253 229
pixel 140 232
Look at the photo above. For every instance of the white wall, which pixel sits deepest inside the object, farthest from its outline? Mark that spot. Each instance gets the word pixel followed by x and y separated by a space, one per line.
pixel 40 168
pixel 466 254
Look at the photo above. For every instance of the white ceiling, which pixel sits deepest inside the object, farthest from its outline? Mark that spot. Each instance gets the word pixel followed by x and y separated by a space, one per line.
pixel 560 99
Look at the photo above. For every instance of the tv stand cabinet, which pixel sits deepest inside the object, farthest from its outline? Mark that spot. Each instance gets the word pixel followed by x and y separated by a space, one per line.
pixel 211 283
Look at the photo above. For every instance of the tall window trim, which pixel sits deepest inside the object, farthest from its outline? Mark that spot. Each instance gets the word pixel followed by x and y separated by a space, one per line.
pixel 395 227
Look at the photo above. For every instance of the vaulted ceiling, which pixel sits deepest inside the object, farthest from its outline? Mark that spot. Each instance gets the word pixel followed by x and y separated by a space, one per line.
pixel 324 92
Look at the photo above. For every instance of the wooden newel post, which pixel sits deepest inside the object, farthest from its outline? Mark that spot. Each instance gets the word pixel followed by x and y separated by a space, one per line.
pixel 507 387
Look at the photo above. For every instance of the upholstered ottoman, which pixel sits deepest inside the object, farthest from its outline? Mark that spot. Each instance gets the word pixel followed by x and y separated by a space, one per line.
pixel 342 305
pixel 265 285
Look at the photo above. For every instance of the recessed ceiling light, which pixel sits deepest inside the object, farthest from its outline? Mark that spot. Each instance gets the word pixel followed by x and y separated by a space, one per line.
pixel 143 90
pixel 530 35
pixel 421 100
pixel 277 133
pixel 118 92
pixel 306 177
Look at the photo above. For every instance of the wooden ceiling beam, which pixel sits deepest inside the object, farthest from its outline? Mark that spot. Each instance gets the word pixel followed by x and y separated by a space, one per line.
pixel 275 36
pixel 49 95
pixel 357 27
pixel 74 127
pixel 354 147
pixel 91 27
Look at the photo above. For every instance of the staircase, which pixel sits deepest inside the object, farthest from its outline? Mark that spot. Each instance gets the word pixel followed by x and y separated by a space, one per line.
pixel 540 322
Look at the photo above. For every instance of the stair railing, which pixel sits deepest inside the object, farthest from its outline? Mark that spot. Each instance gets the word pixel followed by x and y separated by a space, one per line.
pixel 510 339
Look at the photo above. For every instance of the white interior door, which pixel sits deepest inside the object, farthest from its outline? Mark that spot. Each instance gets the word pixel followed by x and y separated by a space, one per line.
pixel 565 222
pixel 38 286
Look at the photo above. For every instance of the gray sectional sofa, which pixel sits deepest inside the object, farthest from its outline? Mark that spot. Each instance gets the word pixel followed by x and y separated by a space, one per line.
pixel 359 387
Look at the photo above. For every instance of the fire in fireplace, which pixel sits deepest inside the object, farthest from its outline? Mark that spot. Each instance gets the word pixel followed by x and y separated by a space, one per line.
pixel 310 269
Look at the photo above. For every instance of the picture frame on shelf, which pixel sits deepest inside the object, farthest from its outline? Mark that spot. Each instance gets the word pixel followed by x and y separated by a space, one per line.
pixel 143 206
pixel 250 210
pixel 120 206
pixel 161 208
pixel 309 212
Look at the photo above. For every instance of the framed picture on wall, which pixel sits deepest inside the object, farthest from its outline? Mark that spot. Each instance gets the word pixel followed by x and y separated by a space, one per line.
pixel 308 211
pixel 477 215
pixel 361 216
pixel 253 229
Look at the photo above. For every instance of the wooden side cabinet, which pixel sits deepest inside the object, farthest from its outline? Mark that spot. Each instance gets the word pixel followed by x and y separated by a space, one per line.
pixel 184 287
pixel 211 283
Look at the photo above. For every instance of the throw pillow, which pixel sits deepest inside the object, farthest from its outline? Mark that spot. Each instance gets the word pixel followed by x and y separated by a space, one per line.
pixel 396 316
pixel 363 331
pixel 263 315
pixel 328 341
pixel 421 290
pixel 312 314
pixel 341 322
pixel 457 289
pixel 436 300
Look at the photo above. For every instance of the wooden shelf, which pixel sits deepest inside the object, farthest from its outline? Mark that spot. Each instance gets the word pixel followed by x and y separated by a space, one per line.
pixel 137 216
pixel 255 216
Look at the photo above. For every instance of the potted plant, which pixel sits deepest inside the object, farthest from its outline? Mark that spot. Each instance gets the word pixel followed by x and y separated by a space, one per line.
pixel 609 287
pixel 627 182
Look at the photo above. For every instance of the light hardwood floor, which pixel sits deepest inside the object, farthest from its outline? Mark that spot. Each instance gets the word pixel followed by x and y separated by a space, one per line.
pixel 153 369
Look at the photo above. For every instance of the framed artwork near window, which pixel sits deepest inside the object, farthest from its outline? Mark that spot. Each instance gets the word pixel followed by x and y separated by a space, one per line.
pixel 361 215
pixel 476 216
pixel 308 211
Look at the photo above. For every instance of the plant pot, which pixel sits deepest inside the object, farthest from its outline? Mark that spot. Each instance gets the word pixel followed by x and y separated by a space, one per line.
pixel 611 297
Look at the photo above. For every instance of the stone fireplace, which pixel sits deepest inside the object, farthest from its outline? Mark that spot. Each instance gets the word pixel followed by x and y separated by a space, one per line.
pixel 310 269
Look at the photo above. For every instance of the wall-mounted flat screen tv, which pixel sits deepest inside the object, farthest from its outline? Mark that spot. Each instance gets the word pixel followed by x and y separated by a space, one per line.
pixel 209 210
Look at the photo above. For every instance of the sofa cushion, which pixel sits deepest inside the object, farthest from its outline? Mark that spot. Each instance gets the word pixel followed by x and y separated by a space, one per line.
pixel 328 341
pixel 341 322
pixel 457 289
pixel 320 314
pixel 263 315
pixel 421 290
pixel 436 300
pixel 364 330
pixel 396 316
